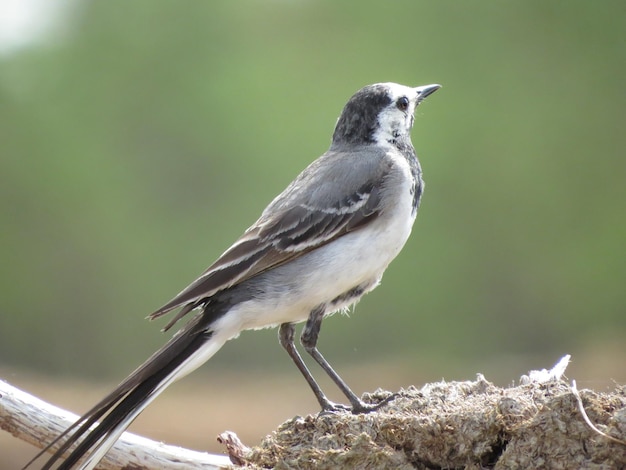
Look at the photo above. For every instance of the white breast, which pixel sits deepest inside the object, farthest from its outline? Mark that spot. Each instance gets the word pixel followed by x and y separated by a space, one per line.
pixel 289 293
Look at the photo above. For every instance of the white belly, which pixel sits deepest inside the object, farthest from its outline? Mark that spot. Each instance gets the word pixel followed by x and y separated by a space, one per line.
pixel 290 292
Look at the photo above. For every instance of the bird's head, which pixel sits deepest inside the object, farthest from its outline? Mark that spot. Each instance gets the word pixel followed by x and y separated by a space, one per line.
pixel 380 114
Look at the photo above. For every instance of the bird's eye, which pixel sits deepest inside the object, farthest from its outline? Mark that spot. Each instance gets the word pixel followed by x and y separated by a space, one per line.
pixel 403 103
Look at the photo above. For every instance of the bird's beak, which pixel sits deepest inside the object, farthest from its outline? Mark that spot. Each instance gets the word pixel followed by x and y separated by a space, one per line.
pixel 426 90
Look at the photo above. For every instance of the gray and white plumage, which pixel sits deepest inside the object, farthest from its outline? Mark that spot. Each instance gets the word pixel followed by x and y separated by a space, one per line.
pixel 317 248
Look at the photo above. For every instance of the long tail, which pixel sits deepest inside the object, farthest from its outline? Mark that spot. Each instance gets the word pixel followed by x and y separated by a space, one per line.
pixel 193 345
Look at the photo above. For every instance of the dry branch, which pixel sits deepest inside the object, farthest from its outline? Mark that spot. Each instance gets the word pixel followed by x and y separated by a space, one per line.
pixel 38 423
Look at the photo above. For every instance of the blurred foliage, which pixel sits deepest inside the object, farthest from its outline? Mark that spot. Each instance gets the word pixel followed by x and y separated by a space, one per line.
pixel 139 145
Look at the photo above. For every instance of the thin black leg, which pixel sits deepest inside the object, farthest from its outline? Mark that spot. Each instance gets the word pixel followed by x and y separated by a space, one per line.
pixel 286 334
pixel 308 339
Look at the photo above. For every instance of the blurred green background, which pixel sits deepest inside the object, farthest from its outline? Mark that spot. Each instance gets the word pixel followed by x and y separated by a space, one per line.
pixel 139 139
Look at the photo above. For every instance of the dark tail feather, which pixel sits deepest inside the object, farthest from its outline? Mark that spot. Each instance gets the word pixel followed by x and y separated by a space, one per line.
pixel 187 350
pixel 120 409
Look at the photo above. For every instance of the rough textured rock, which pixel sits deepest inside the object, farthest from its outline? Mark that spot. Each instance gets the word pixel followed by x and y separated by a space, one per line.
pixel 460 425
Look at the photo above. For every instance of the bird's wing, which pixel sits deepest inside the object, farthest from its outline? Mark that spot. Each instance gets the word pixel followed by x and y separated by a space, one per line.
pixel 316 208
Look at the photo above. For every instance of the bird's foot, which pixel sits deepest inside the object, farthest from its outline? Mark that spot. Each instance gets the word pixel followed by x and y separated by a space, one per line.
pixel 330 407
pixel 362 407
pixel 358 406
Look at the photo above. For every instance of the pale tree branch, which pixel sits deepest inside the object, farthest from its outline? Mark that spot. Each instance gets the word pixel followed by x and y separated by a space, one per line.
pixel 38 423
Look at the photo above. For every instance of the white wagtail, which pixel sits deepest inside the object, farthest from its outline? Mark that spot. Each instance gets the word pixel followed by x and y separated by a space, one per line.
pixel 317 248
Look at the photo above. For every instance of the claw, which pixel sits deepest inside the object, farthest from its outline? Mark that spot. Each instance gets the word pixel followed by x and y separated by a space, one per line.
pixel 362 407
pixel 330 408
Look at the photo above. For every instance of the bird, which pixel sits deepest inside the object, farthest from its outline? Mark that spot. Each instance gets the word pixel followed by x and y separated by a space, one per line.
pixel 317 248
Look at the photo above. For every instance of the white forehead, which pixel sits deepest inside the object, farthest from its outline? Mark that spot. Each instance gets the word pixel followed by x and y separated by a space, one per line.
pixel 396 90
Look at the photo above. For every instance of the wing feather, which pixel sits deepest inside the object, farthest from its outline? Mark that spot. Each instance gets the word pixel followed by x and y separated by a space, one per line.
pixel 285 231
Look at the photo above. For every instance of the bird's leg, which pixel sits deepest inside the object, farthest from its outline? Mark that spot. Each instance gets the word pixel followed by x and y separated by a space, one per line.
pixel 286 337
pixel 308 339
